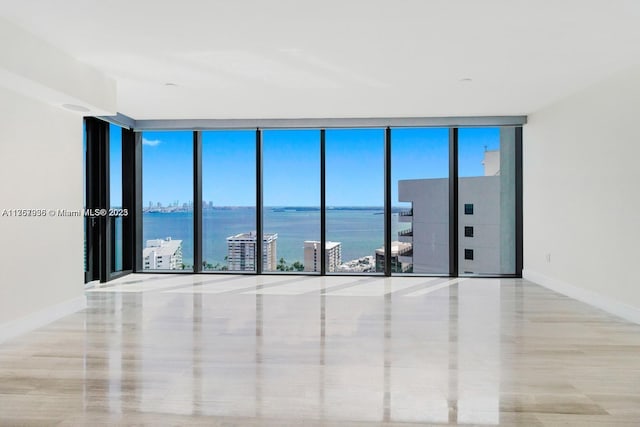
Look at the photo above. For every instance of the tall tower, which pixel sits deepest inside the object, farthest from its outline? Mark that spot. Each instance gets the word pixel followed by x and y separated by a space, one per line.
pixel 241 251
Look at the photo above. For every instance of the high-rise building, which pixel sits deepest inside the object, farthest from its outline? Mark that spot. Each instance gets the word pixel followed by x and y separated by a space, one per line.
pixel 162 254
pixel 400 258
pixel 332 254
pixel 479 216
pixel 241 251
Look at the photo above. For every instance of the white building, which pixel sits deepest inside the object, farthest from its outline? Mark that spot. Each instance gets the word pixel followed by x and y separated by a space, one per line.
pixel 481 223
pixel 241 251
pixel 491 162
pixel 160 254
pixel 332 254
pixel 400 257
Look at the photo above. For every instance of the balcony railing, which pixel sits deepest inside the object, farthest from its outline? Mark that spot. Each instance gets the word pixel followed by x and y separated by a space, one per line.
pixel 406 233
pixel 408 252
pixel 408 212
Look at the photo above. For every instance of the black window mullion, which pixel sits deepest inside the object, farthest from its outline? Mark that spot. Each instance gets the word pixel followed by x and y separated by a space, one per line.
pixel 453 202
pixel 197 201
pixel 518 207
pixel 387 202
pixel 258 261
pixel 137 208
pixel 128 199
pixel 106 246
pixel 323 205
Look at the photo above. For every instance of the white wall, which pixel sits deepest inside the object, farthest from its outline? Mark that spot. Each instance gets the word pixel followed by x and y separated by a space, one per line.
pixel 40 168
pixel 581 195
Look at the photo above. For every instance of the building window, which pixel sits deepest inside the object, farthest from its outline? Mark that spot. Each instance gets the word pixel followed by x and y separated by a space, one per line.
pixel 468 254
pixel 468 231
pixel 468 208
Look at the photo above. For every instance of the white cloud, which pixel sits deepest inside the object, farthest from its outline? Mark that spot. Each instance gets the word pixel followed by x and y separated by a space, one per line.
pixel 150 142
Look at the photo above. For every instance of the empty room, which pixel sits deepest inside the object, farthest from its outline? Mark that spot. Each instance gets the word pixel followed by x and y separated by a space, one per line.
pixel 356 213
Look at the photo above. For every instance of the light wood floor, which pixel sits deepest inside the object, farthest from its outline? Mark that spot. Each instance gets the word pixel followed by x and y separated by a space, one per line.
pixel 308 351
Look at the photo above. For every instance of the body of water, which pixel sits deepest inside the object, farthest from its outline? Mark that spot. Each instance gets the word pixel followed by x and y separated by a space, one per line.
pixel 361 231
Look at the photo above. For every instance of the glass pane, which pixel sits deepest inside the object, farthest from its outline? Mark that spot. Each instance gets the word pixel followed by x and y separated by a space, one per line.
pixel 167 194
pixel 229 198
pixel 420 198
pixel 291 197
pixel 354 160
pixel 117 242
pixel 115 191
pixel 486 191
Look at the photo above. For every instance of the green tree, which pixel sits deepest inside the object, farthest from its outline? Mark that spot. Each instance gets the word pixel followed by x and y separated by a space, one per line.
pixel 282 265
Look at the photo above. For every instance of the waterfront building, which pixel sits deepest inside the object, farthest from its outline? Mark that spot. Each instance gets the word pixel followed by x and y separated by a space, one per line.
pixel 162 254
pixel 332 254
pixel 400 258
pixel 241 251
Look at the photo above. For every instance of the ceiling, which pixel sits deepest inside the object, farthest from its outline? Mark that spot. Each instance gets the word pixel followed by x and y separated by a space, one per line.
pixel 218 59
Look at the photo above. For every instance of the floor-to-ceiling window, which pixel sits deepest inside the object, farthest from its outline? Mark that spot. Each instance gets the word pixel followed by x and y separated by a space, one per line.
pixel 167 195
pixel 115 197
pixel 354 177
pixel 262 194
pixel 291 200
pixel 229 201
pixel 487 201
pixel 420 200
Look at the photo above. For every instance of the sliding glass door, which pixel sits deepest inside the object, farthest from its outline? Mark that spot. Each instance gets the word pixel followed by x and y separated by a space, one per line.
pixel 108 201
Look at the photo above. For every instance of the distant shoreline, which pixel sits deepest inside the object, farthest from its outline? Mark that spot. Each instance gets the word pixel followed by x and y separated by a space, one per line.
pixel 359 229
pixel 172 209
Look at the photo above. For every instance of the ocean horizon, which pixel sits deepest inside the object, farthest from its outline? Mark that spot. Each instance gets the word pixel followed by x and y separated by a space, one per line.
pixel 360 229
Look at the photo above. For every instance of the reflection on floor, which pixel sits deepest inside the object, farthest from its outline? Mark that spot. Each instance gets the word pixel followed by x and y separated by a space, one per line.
pixel 347 351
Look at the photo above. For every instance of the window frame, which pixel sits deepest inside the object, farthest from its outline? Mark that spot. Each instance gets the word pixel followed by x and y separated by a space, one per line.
pixel 132 182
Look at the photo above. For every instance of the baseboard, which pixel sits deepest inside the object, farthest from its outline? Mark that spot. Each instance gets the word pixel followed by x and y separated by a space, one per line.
pixel 41 318
pixel 594 299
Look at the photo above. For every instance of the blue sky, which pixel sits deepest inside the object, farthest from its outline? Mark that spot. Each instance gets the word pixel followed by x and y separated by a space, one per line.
pixel 115 164
pixel 291 164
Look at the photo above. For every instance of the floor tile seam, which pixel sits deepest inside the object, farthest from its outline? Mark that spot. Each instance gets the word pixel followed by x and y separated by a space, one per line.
pixel 248 290
pixel 447 283
pixel 358 282
pixel 200 284
pixel 426 285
